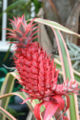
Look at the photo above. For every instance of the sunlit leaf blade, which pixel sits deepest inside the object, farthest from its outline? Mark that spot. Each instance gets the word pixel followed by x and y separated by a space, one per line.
pixel 19 94
pixel 67 71
pixel 7 87
pixel 23 96
pixel 7 114
pixel 55 25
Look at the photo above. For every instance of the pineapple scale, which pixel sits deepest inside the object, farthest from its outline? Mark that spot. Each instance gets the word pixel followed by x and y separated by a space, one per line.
pixel 36 70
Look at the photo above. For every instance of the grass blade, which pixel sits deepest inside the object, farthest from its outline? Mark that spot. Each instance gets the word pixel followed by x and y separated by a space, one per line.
pixel 68 72
pixel 23 96
pixel 55 25
pixel 7 114
pixel 7 87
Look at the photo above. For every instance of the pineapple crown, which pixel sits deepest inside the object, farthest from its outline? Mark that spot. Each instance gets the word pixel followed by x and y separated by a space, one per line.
pixel 37 71
pixel 22 32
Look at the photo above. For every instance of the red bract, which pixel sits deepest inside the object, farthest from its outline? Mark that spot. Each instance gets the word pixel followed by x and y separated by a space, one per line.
pixel 37 71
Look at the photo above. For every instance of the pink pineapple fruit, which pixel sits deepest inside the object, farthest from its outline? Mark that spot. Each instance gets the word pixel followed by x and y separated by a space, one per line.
pixel 37 71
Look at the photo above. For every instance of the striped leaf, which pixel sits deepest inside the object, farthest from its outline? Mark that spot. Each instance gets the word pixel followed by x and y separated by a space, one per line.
pixel 7 114
pixel 7 87
pixel 67 71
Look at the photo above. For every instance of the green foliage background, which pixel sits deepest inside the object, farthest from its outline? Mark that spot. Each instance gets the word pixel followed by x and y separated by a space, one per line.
pixel 18 8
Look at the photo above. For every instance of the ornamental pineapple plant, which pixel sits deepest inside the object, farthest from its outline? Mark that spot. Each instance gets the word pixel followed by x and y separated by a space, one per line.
pixel 37 71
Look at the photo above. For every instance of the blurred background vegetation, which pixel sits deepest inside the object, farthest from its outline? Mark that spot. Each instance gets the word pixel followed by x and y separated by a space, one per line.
pixel 19 7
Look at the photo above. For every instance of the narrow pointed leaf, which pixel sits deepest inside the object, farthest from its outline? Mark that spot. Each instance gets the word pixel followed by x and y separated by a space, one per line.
pixel 55 25
pixel 7 114
pixel 7 87
pixel 67 71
